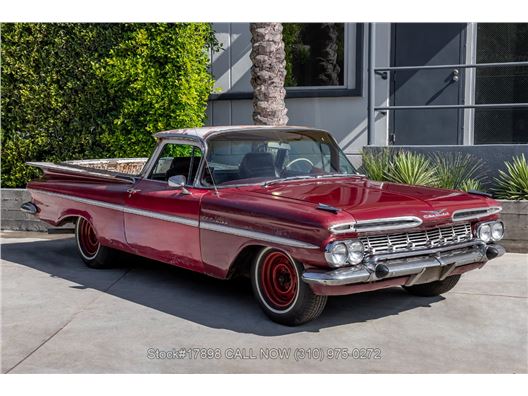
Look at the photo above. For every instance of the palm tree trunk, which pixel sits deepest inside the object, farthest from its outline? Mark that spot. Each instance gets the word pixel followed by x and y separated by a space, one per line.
pixel 267 74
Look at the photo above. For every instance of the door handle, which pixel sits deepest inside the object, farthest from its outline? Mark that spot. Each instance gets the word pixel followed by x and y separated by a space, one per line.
pixel 131 191
pixel 455 76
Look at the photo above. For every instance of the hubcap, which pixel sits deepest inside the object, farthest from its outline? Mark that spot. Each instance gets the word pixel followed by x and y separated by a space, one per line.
pixel 279 280
pixel 88 242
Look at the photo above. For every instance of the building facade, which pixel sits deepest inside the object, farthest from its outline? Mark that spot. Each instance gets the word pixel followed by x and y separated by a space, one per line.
pixel 328 78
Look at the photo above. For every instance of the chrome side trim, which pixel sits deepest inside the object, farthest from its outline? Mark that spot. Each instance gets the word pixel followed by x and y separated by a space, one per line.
pixel 475 213
pixel 87 201
pixel 124 209
pixel 161 216
pixel 389 223
pixel 256 235
pixel 186 221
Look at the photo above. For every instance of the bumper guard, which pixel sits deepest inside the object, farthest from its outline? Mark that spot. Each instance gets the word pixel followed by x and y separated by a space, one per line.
pixel 411 263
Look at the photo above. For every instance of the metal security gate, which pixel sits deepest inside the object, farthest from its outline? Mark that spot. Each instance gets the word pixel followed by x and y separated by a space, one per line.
pixel 423 120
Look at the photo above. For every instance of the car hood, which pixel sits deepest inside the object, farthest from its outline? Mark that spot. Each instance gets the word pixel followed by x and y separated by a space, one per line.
pixel 368 200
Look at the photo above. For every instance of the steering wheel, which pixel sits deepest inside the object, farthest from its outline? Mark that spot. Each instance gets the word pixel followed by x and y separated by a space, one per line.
pixel 306 167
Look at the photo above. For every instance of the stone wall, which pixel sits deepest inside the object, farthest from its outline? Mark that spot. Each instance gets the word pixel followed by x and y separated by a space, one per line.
pixel 12 217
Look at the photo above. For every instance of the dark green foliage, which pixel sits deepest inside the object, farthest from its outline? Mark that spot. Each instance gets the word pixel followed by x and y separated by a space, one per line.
pixel 160 80
pixel 73 91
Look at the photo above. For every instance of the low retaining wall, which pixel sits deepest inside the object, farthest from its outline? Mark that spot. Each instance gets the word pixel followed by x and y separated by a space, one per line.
pixel 12 217
pixel 514 215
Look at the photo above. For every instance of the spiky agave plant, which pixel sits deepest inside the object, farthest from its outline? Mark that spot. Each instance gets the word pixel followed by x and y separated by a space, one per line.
pixel 411 168
pixel 454 170
pixel 470 184
pixel 375 164
pixel 513 184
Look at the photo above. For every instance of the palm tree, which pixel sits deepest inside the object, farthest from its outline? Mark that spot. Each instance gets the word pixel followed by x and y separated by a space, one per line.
pixel 267 74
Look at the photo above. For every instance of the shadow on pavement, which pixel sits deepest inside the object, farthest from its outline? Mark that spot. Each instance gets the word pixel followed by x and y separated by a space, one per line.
pixel 198 298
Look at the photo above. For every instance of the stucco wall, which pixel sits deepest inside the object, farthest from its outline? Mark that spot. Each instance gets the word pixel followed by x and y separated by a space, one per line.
pixel 345 117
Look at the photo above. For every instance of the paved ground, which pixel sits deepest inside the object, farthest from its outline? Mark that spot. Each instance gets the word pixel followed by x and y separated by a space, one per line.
pixel 59 316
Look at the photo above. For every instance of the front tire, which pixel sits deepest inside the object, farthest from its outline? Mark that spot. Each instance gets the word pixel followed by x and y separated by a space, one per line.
pixel 435 288
pixel 279 290
pixel 90 249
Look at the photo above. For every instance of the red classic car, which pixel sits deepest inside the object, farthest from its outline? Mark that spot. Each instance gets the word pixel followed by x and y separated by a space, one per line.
pixel 282 205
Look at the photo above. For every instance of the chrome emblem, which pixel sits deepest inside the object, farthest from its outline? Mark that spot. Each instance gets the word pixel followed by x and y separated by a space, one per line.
pixel 430 214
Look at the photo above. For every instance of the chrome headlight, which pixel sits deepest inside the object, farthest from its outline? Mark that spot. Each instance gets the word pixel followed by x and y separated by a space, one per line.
pixel 490 231
pixel 341 253
pixel 355 252
pixel 484 232
pixel 497 231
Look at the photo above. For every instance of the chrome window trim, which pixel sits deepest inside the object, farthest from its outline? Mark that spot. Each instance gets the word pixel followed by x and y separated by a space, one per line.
pixel 490 210
pixel 182 139
pixel 200 172
pixel 353 227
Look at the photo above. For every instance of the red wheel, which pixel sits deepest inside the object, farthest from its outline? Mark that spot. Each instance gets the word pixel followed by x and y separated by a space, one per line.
pixel 279 280
pixel 277 285
pixel 87 241
pixel 90 249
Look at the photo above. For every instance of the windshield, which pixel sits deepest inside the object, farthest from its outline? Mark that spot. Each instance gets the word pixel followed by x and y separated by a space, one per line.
pixel 265 156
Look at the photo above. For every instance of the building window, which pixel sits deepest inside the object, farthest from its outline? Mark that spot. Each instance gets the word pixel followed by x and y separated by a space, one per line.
pixel 315 54
pixel 501 42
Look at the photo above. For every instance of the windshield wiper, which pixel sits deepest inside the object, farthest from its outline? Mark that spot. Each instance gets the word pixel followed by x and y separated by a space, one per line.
pixel 303 177
pixel 338 175
pixel 267 183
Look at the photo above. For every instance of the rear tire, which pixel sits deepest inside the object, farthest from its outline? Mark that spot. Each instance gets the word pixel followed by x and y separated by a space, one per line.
pixel 435 288
pixel 280 291
pixel 90 249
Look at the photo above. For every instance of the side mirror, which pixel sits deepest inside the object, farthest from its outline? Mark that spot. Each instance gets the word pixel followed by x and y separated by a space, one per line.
pixel 178 183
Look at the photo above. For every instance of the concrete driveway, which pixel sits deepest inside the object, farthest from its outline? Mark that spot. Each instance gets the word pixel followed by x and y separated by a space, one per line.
pixel 59 316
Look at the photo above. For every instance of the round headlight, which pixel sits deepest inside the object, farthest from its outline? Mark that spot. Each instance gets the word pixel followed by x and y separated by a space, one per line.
pixel 355 252
pixel 484 233
pixel 339 254
pixel 497 231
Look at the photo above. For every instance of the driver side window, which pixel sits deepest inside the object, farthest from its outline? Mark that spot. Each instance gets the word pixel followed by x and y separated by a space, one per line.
pixel 176 160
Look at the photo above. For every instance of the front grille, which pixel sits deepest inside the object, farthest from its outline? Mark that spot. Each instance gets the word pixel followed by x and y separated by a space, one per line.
pixel 439 236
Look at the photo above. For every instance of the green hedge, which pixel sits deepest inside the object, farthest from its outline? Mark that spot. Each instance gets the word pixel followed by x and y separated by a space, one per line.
pixel 72 91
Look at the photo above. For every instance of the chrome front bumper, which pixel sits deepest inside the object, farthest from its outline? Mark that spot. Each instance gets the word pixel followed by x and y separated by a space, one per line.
pixel 412 263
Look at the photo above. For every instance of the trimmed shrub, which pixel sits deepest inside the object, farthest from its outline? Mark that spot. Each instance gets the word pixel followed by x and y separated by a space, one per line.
pixel 72 91
pixel 160 80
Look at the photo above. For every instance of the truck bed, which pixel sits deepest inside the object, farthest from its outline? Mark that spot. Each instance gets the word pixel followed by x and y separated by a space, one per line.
pixel 110 169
